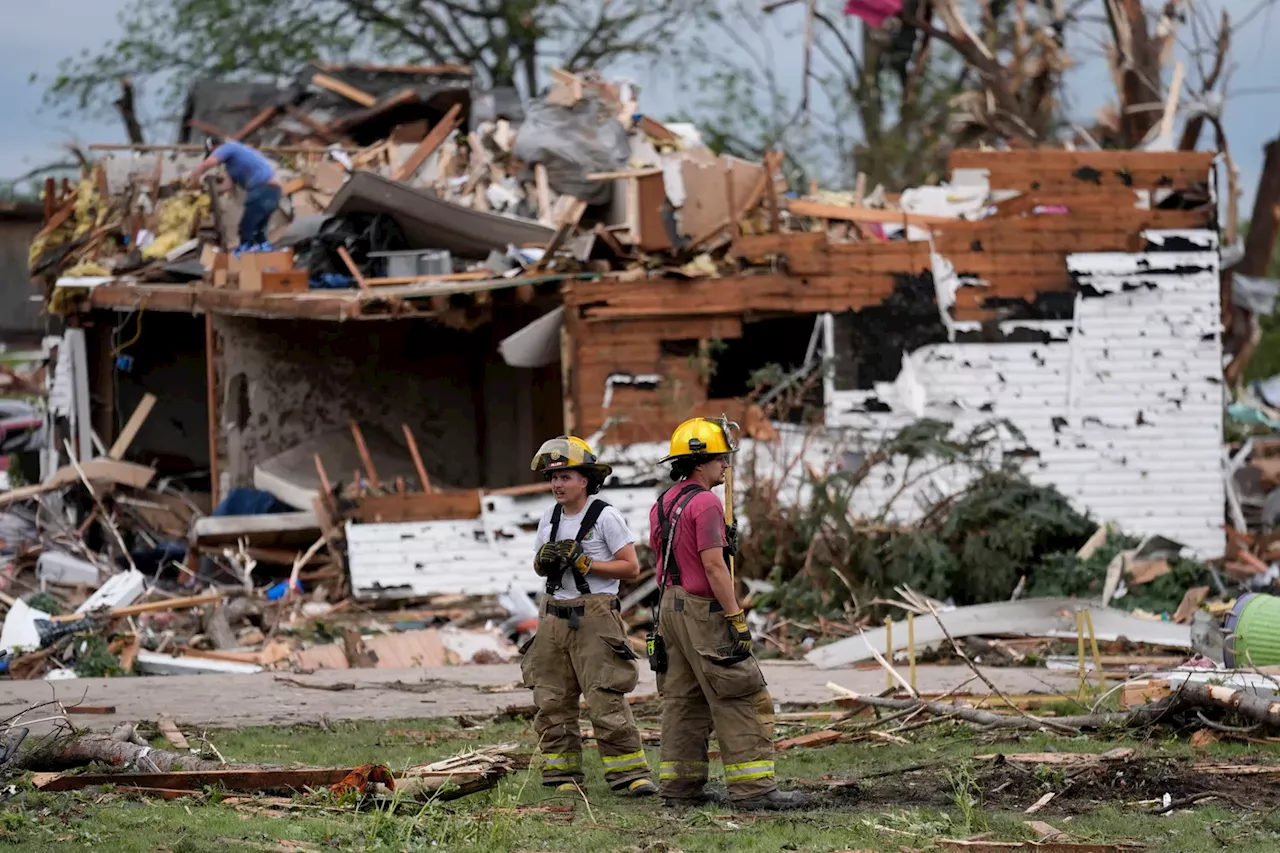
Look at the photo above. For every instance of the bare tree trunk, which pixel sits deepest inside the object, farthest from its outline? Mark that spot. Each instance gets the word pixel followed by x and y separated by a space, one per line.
pixel 1264 225
pixel 1260 709
pixel 125 106
pixel 64 754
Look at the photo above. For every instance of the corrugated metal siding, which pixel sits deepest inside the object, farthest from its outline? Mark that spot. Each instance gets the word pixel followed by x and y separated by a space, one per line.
pixel 1123 406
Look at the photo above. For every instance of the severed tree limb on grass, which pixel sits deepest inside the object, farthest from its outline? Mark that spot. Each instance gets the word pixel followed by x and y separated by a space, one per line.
pixel 1262 709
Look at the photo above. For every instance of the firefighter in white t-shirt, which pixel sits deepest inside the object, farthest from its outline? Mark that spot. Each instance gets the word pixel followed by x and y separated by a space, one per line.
pixel 581 648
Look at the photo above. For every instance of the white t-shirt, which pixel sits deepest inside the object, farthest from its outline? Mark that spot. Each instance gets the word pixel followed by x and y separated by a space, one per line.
pixel 608 536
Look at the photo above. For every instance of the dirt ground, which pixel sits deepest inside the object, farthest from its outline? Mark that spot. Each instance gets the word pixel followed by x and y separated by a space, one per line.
pixel 233 701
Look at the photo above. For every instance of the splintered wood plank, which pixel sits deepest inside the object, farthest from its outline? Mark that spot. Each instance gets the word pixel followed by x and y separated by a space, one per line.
pixel 424 480
pixel 256 123
pixel 350 264
pixel 346 90
pixel 434 506
pixel 433 140
pixel 568 223
pixel 846 213
pixel 820 738
pixel 169 729
pixel 365 458
pixel 130 431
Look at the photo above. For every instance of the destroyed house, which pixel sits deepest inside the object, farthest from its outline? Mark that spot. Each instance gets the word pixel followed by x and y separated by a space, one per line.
pixel 1074 295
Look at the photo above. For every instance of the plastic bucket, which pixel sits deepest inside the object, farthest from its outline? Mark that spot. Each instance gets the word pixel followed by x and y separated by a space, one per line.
pixel 1255 624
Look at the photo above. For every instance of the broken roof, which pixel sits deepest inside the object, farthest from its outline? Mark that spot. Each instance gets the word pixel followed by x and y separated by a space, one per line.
pixel 327 103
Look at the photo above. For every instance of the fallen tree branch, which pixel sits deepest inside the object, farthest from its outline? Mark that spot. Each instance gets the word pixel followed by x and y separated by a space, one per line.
pixel 1042 723
pixel 1183 802
pixel 1262 709
pixel 110 749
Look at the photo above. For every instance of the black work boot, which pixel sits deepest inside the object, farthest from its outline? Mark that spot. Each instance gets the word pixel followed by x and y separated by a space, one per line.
pixel 707 796
pixel 775 801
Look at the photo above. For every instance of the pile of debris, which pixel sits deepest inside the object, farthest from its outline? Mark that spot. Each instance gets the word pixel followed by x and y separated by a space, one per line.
pixel 580 182
pixel 108 573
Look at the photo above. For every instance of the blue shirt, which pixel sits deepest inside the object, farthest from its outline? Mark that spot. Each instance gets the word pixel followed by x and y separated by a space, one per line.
pixel 246 167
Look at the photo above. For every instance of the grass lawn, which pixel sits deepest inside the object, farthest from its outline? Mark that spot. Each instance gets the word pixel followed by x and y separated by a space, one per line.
pixel 952 796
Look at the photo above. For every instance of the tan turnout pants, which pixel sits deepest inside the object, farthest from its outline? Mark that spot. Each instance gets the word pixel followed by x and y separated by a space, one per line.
pixel 705 687
pixel 581 648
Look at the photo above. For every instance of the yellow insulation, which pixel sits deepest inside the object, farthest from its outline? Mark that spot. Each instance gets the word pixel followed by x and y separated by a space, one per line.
pixel 179 216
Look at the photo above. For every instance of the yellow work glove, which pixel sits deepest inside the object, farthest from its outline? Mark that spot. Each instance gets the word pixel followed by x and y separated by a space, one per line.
pixel 571 552
pixel 742 634
pixel 547 560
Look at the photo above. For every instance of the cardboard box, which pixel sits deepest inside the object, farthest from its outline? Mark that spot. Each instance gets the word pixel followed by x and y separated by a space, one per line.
pixel 213 259
pixel 251 266
pixel 285 281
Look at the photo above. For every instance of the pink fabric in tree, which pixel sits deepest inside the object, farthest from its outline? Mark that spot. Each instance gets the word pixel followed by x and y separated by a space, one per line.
pixel 874 12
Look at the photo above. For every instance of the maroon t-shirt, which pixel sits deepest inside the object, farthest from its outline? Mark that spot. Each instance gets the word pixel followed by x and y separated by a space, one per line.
pixel 699 528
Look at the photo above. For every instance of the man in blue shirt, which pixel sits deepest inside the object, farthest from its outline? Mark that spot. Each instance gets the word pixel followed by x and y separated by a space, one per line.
pixel 254 173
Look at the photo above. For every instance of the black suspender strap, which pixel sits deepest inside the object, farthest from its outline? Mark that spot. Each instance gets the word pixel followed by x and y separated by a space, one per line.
pixel 594 510
pixel 667 518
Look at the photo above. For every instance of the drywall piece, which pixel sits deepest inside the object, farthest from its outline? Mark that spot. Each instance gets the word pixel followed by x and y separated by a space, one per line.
pixel 265 531
pixel 19 631
pixel 97 471
pixel 291 476
pixel 120 590
pixel 57 567
pixel 407 649
pixel 1033 617
pixel 153 663
pixel 478 646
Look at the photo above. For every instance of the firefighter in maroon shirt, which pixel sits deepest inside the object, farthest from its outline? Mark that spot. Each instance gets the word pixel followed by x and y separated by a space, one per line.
pixel 701 648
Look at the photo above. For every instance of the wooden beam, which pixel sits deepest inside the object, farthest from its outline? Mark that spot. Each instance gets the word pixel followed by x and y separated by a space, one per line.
pixel 361 282
pixel 567 224
pixel 845 213
pixel 206 128
pixel 256 123
pixel 433 140
pixel 304 118
pixel 131 428
pixel 419 506
pixel 182 603
pixel 211 389
pixel 347 122
pixel 423 479
pixel 351 93
pixel 365 458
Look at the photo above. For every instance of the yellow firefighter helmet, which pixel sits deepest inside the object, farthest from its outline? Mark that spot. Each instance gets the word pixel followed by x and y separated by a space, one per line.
pixel 702 437
pixel 569 453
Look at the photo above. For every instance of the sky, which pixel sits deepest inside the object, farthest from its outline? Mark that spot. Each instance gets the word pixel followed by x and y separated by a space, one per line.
pixel 36 36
